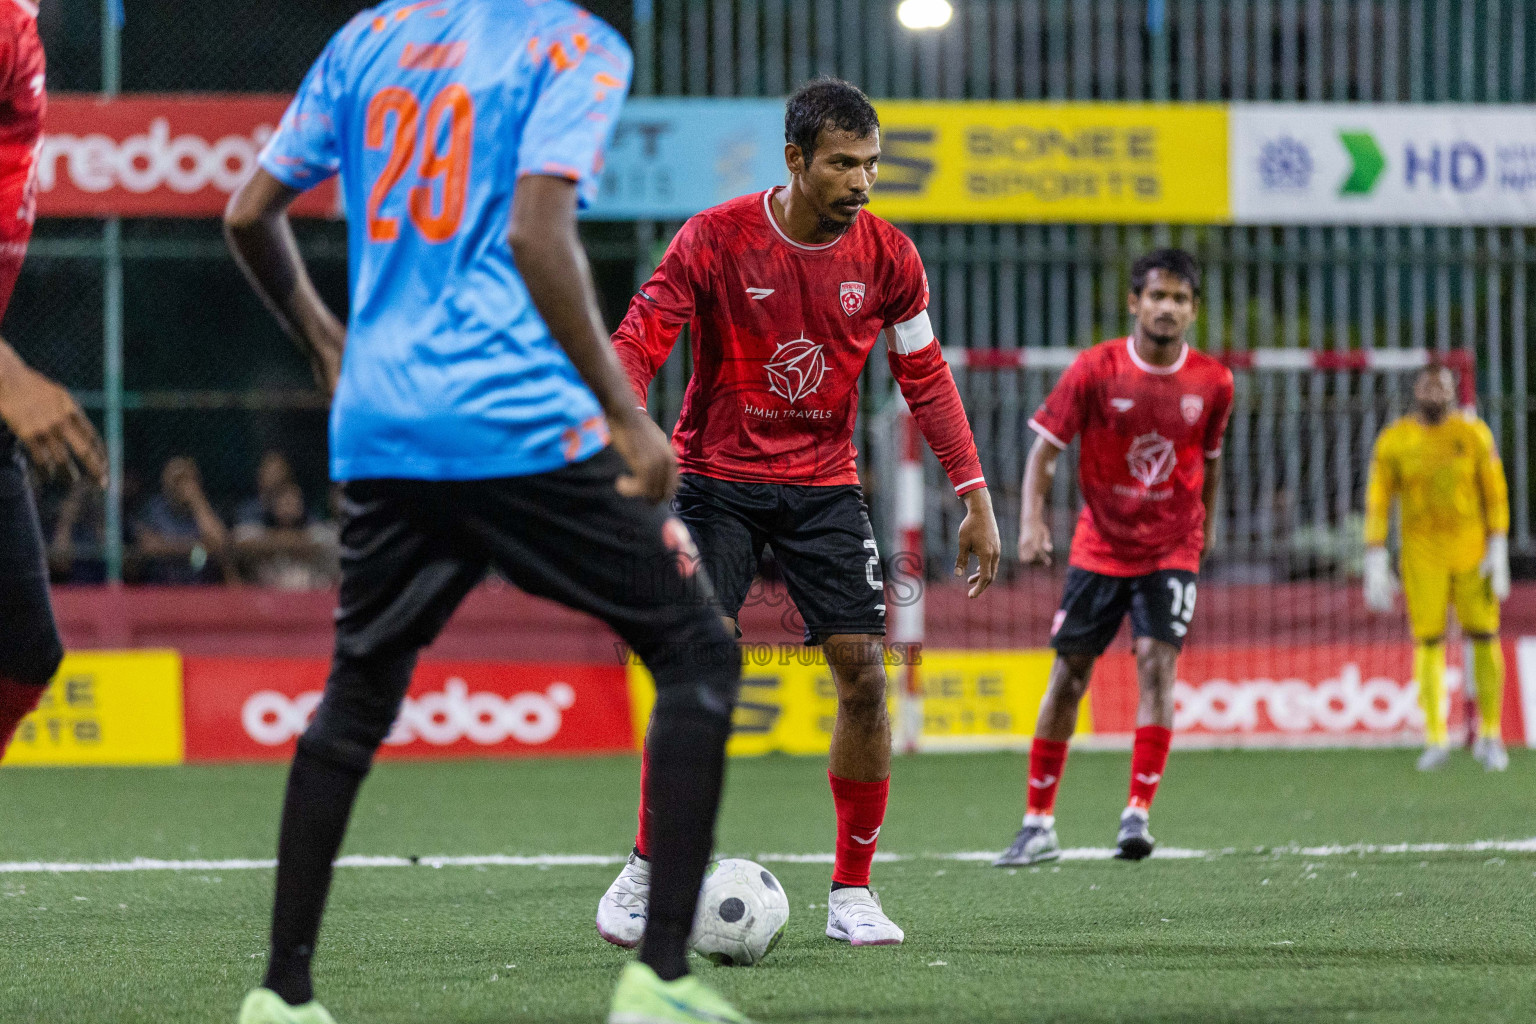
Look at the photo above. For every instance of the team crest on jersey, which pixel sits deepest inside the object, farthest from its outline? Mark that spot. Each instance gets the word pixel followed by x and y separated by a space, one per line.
pixel 1191 406
pixel 1151 459
pixel 796 369
pixel 850 295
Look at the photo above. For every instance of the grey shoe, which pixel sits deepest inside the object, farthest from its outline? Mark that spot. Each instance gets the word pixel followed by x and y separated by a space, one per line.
pixel 1433 759
pixel 1035 844
pixel 1134 841
pixel 1490 753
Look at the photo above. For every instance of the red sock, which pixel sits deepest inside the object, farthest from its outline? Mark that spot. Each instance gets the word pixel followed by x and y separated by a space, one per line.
pixel 1149 757
pixel 642 838
pixel 17 700
pixel 1047 758
pixel 860 813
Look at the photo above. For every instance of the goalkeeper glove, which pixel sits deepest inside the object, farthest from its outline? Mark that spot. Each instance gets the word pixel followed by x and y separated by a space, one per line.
pixel 1378 580
pixel 1495 567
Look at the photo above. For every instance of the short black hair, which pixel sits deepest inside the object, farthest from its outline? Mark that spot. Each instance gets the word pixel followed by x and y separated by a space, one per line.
pixel 1169 261
pixel 827 103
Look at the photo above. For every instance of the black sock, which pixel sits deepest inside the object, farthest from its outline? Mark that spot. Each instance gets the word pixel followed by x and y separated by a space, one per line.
pixel 839 885
pixel 687 768
pixel 315 813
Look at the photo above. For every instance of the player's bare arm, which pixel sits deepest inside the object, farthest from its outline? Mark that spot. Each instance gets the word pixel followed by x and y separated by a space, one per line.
pixel 1039 475
pixel 260 236
pixel 551 260
pixel 48 421
pixel 979 537
pixel 1208 489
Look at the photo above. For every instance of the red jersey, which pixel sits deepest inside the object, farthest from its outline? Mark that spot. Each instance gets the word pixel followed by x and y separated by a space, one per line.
pixel 1147 431
pixel 22 102
pixel 780 332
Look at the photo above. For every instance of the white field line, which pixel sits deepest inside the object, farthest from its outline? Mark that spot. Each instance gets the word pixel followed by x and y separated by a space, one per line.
pixel 560 860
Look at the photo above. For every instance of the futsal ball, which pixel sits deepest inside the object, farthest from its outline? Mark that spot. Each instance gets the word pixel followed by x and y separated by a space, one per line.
pixel 741 915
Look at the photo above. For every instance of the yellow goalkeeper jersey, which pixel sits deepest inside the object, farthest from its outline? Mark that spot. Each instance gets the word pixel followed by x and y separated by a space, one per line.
pixel 1450 483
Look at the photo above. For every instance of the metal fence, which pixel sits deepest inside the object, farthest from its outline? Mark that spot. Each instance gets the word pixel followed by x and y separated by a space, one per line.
pixel 150 323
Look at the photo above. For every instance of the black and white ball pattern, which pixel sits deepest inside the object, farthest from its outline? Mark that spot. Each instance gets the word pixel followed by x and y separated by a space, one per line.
pixel 741 915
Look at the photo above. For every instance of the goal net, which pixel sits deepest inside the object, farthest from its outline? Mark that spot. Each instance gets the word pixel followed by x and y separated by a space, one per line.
pixel 1281 648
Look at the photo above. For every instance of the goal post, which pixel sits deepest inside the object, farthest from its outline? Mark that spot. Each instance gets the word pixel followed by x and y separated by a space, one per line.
pixel 1283 576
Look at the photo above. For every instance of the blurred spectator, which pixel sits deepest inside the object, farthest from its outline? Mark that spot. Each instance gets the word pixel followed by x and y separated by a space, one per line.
pixel 77 547
pixel 76 526
pixel 285 549
pixel 273 472
pixel 179 536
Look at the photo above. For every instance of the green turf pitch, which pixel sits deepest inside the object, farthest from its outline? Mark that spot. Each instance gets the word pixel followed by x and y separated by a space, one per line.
pixel 1235 936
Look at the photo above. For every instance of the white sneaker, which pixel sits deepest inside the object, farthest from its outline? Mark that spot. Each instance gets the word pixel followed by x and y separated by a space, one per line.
pixel 854 916
pixel 622 911
pixel 1490 753
pixel 1433 759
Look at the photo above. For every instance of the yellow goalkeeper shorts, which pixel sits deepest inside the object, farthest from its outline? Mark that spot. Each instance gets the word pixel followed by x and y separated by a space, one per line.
pixel 1430 589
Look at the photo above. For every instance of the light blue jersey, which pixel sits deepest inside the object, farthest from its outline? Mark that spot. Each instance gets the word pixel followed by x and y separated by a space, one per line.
pixel 431 112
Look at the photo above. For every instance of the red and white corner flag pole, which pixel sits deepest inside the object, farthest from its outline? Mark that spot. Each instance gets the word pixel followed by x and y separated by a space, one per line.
pixel 907 609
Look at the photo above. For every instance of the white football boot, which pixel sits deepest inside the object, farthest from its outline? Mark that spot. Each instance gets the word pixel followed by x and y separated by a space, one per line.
pixel 622 911
pixel 854 916
pixel 1433 758
pixel 1490 753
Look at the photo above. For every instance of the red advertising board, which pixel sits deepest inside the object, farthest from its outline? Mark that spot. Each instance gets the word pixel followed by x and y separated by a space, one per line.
pixel 245 709
pixel 152 155
pixel 1339 695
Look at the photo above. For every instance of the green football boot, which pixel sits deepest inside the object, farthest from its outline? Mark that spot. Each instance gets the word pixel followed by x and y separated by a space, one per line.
pixel 643 998
pixel 263 1006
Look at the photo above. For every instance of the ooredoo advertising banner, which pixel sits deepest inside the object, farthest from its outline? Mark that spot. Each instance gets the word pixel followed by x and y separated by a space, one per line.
pixel 1339 695
pixel 240 709
pixel 1386 164
pixel 157 156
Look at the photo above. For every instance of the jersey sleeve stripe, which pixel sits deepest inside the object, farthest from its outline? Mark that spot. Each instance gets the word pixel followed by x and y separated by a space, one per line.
pixel 971 484
pixel 1034 425
pixel 1213 454
pixel 912 335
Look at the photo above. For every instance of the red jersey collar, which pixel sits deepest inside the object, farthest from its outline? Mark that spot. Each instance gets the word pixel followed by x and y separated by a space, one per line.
pixel 774 222
pixel 1161 371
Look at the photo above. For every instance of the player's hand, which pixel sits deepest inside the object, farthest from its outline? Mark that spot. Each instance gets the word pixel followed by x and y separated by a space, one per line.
pixel 326 365
pixel 56 433
pixel 978 536
pixel 652 466
pixel 1378 580
pixel 1035 542
pixel 1495 566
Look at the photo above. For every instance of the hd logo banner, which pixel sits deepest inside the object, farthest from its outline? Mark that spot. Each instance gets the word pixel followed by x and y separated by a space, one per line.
pixel 1383 164
pixel 1032 162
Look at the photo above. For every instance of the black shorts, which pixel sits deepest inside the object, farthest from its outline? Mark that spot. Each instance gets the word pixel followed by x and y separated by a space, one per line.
pixel 1092 606
pixel 30 650
pixel 821 539
pixel 412 549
